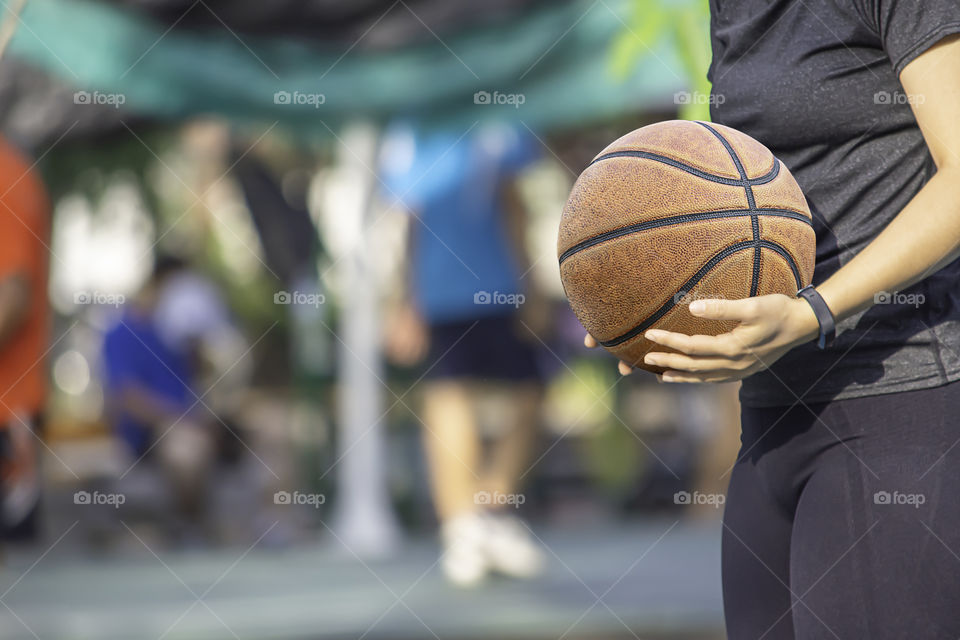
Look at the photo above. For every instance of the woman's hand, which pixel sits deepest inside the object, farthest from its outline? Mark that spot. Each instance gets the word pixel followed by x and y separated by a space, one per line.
pixel 769 327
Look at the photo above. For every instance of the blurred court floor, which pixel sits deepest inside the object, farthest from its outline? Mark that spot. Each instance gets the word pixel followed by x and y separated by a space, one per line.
pixel 654 579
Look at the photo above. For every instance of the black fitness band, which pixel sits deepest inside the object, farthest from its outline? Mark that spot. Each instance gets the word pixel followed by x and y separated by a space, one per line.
pixel 828 326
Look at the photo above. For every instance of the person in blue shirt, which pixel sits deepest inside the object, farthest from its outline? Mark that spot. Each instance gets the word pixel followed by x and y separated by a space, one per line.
pixel 469 312
pixel 151 403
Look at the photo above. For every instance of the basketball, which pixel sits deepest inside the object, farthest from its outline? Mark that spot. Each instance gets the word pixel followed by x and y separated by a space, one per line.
pixel 674 212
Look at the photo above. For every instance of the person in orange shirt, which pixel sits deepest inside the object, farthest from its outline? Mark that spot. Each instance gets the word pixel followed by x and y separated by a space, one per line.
pixel 24 317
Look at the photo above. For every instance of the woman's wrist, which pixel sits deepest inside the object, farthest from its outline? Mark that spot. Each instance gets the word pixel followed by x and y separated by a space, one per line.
pixel 803 323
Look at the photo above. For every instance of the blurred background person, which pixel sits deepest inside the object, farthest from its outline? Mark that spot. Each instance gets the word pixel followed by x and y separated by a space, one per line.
pixel 153 405
pixel 193 320
pixel 24 318
pixel 465 313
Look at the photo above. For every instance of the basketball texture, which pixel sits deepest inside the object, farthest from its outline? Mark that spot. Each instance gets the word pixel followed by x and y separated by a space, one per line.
pixel 674 212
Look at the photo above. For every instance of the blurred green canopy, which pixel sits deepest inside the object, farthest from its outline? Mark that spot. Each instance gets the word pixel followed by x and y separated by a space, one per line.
pixel 553 65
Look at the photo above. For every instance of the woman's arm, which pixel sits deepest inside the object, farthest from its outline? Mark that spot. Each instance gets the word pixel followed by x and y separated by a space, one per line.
pixel 921 239
pixel 925 235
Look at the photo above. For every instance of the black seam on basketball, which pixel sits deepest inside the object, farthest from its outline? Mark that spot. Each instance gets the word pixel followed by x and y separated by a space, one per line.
pixel 680 219
pixel 726 145
pixel 751 202
pixel 773 246
pixel 672 302
pixel 746 182
pixel 695 279
pixel 760 271
pixel 755 226
pixel 736 182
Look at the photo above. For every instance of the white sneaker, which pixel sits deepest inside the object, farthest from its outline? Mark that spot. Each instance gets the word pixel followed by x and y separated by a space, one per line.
pixel 464 562
pixel 509 547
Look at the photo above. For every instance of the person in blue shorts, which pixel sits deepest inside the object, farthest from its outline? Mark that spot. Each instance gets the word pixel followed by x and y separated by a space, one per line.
pixel 470 314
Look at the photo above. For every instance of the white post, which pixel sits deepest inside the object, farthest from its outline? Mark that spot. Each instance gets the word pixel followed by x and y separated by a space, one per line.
pixel 363 517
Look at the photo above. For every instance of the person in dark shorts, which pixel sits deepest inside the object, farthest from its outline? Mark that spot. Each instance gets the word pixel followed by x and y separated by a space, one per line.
pixel 843 513
pixel 470 312
pixel 484 348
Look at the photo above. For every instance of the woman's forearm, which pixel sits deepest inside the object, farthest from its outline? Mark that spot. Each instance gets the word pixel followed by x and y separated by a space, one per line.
pixel 921 239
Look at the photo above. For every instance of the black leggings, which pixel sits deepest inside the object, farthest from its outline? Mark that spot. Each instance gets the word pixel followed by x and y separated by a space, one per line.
pixel 843 520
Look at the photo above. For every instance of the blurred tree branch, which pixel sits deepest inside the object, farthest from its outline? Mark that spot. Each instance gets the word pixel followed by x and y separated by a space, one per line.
pixel 685 23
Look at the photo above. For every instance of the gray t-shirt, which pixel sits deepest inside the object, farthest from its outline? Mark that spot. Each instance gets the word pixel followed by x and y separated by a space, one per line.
pixel 816 81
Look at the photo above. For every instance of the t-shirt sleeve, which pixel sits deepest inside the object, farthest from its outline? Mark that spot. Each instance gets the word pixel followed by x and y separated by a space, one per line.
pixel 118 366
pixel 415 169
pixel 907 28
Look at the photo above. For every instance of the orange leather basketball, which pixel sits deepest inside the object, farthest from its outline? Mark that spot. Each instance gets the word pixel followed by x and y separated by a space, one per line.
pixel 673 212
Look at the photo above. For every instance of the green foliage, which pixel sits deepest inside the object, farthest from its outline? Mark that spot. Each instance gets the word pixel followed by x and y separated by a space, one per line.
pixel 615 458
pixel 685 25
pixel 86 168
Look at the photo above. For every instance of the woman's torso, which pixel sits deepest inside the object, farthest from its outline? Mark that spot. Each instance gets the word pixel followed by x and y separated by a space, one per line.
pixel 817 82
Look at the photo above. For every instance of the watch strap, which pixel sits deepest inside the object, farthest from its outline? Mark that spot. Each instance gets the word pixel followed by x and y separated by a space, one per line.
pixel 828 325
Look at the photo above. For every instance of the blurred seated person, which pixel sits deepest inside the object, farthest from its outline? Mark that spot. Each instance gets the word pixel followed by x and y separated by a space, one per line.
pixel 469 315
pixel 192 318
pixel 153 406
pixel 24 338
